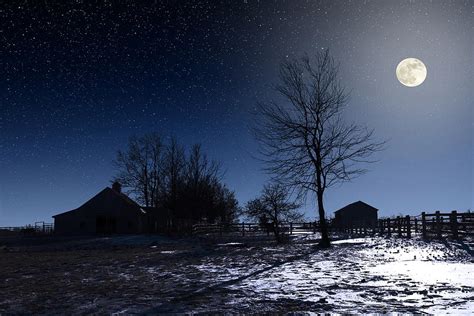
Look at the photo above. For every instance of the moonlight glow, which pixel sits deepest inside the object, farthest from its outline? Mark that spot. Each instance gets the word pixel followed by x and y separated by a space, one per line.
pixel 411 72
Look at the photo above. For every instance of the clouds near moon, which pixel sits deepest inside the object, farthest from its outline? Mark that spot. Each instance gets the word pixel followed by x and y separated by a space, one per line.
pixel 411 72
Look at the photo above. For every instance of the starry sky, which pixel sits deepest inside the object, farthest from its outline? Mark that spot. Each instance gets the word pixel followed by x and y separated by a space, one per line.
pixel 78 79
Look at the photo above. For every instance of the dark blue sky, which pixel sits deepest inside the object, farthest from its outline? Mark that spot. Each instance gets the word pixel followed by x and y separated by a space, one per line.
pixel 79 79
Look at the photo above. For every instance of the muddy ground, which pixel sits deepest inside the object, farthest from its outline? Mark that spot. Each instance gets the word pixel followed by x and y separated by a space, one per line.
pixel 152 274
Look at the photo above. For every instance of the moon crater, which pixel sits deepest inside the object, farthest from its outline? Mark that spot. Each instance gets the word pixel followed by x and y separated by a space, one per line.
pixel 411 72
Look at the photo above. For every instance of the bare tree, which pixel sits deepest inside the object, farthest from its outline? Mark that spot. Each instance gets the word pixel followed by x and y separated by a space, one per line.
pixel 201 178
pixel 174 164
pixel 305 141
pixel 199 168
pixel 139 167
pixel 273 208
pixel 186 186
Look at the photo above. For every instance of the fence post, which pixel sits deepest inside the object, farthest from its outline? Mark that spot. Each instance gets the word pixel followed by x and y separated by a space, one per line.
pixel 365 230
pixel 408 226
pixel 381 228
pixel 416 225
pixel 243 229
pixel 438 225
pixel 454 224
pixel 389 232
pixel 291 228
pixel 423 224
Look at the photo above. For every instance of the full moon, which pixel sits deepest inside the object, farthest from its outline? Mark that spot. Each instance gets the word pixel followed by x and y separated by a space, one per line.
pixel 411 72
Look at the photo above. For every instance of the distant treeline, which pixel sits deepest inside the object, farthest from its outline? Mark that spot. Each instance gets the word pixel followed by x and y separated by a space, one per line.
pixel 163 174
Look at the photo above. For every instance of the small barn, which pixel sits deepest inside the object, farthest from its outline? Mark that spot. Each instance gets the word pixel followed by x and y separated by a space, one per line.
pixel 110 211
pixel 357 214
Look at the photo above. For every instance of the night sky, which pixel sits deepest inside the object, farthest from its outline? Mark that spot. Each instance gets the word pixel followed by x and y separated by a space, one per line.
pixel 78 80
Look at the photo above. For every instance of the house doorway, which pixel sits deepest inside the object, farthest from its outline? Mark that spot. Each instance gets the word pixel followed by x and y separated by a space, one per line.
pixel 105 225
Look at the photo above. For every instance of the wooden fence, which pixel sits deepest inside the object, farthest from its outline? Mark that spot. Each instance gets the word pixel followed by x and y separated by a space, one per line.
pixel 435 225
pixel 39 228
pixel 254 228
pixel 441 224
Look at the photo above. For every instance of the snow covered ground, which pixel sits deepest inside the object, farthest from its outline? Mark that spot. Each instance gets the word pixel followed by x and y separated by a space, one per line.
pixel 151 274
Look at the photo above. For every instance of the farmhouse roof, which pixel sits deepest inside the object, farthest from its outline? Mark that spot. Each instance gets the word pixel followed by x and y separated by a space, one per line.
pixel 108 195
pixel 355 206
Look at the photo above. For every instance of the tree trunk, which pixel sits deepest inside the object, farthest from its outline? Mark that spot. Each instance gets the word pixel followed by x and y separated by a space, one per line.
pixel 276 231
pixel 325 243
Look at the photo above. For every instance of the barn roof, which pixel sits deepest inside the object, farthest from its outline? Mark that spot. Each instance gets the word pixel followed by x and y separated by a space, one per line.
pixel 109 197
pixel 356 205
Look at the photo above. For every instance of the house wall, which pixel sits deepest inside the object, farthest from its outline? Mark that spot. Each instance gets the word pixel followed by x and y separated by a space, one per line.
pixel 74 223
pixel 86 222
pixel 107 212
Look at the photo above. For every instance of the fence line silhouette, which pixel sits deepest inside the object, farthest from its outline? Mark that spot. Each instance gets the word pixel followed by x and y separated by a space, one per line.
pixel 428 225
pixel 39 228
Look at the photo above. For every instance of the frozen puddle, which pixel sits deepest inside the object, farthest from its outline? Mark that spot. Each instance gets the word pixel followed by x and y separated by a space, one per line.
pixel 428 272
pixel 350 241
pixel 370 276
pixel 464 309
pixel 231 244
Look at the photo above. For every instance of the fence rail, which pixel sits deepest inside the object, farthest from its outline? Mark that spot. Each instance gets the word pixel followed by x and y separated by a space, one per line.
pixel 454 224
pixel 254 228
pixel 39 228
pixel 434 225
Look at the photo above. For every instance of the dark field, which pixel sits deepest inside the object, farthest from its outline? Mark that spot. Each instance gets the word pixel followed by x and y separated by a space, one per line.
pixel 151 274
